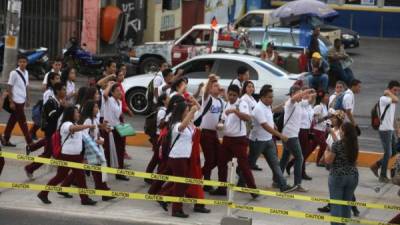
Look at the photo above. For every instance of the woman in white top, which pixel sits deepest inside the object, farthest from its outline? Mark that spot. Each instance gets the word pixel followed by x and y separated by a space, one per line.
pixel 112 116
pixel 51 80
pixel 321 115
pixel 247 94
pixel 71 150
pixel 182 130
pixel 68 78
pixel 340 87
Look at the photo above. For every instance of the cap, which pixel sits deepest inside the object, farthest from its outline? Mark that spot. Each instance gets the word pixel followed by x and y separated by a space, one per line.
pixel 294 89
pixel 339 114
pixel 316 55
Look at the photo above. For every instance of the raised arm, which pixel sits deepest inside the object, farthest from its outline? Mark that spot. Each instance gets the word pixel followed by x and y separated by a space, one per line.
pixel 187 119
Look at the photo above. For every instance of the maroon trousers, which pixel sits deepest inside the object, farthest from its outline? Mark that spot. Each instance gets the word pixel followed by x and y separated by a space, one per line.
pixel 235 147
pixel 33 130
pixel 210 145
pixel 395 220
pixel 319 140
pixel 155 160
pixel 62 174
pixel 98 183
pixel 17 116
pixel 119 145
pixel 36 145
pixel 156 185
pixel 47 153
pixel 1 164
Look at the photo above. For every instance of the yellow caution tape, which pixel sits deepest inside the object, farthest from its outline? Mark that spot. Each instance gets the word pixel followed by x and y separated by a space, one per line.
pixel 147 197
pixel 185 180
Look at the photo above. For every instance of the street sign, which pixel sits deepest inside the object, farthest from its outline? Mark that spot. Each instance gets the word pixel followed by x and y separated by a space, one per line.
pixel 11 42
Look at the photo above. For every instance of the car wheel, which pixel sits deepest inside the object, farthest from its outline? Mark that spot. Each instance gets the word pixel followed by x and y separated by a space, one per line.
pixel 137 102
pixel 150 65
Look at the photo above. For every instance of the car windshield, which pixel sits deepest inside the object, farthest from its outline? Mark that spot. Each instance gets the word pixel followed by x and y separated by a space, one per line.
pixel 274 69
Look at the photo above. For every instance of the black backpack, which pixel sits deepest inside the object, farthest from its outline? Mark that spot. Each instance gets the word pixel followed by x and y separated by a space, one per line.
pixel 377 117
pixel 198 121
pixel 150 124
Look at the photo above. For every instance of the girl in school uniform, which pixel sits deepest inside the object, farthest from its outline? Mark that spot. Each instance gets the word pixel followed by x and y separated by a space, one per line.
pixel 247 95
pixel 114 144
pixel 68 78
pixel 321 114
pixel 71 137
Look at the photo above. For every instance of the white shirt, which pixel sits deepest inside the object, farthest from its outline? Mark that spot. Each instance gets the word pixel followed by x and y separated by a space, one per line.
pixel 101 110
pixel 237 83
pixel 320 111
pixel 388 121
pixel 18 85
pixel 348 101
pixel 261 114
pixel 157 83
pixel 211 118
pixel 72 145
pixel 47 94
pixel 47 75
pixel 233 125
pixel 183 146
pixel 307 114
pixel 292 127
pixel 112 111
pixel 329 140
pixel 160 116
pixel 331 98
pixel 251 102
pixel 94 133
pixel 70 90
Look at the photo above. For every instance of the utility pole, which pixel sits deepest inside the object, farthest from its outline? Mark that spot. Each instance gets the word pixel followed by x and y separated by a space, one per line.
pixel 11 38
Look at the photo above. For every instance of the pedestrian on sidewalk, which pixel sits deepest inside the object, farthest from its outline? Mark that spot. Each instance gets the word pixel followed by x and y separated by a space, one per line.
pixel 71 150
pixel 52 111
pixel 211 116
pixel 340 87
pixel 292 121
pixel 235 142
pixel 18 95
pixel 3 95
pixel 343 175
pixel 348 102
pixel 56 67
pixel 387 109
pixel 68 78
pixel 321 115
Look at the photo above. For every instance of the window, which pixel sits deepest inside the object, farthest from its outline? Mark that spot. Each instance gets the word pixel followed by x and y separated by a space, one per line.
pixel 171 4
pixel 257 37
pixel 198 69
pixel 227 69
pixel 284 39
pixel 392 3
pixel 198 37
pixel 252 20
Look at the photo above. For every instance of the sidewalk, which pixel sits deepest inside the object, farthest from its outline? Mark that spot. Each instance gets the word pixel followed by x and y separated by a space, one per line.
pixel 142 211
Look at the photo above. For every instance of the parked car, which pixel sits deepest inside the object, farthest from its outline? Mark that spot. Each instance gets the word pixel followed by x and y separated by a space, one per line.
pixel 350 38
pixel 225 66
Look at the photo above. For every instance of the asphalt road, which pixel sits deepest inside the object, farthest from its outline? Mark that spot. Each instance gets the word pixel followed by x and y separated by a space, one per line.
pixel 14 217
pixel 376 62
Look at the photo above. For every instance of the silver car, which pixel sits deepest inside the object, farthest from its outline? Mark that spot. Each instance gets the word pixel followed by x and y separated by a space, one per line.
pixel 223 65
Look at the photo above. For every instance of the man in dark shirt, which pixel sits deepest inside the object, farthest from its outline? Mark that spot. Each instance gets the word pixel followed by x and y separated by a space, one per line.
pixel 314 43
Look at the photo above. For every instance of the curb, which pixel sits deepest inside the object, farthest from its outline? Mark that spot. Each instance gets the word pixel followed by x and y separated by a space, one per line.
pixel 365 159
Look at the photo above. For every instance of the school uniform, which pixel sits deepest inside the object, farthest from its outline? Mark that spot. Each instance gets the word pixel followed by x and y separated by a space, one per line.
pixel 47 75
pixel 319 130
pixel 155 160
pixel 70 151
pixel 237 83
pixel 348 102
pixel 235 144
pixel 18 85
pixel 209 138
pixel 251 102
pixel 70 89
pixel 157 83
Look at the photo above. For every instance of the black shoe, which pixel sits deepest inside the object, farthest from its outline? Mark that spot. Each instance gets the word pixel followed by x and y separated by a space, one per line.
pixel 89 202
pixel 65 195
pixel 87 172
pixel 163 205
pixel 34 137
pixel 121 177
pixel 45 200
pixel 356 213
pixel 306 177
pixel 218 192
pixel 208 188
pixel 254 196
pixel 28 149
pixel 241 183
pixel 201 209
pixel 148 181
pixel 256 168
pixel 288 170
pixel 107 198
pixel 180 215
pixel 9 144
pixel 325 209
pixel 288 189
pixel 392 172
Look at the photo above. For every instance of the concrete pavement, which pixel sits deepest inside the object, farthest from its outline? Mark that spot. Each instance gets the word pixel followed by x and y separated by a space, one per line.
pixel 141 211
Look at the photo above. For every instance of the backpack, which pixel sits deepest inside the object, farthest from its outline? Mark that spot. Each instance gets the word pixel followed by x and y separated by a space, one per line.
pixel 37 113
pixel 150 124
pixel 198 121
pixel 377 117
pixel 56 143
pixel 338 102
pixel 150 92
pixel 164 141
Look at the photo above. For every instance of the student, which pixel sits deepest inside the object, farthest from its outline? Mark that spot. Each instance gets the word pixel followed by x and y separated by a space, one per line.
pixel 162 104
pixel 243 75
pixel 235 141
pixel 160 79
pixel 321 115
pixel 18 95
pixel 179 87
pixel 209 138
pixel 181 149
pixel 55 68
pixel 80 96
pixel 340 87
pixel 168 80
pixel 349 101
pixel 343 175
pixel 52 79
pixel 53 109
pixel 292 120
pixel 68 77
pixel 387 109
pixel 71 136
pixel 111 68
pixel 114 144
pixel 247 94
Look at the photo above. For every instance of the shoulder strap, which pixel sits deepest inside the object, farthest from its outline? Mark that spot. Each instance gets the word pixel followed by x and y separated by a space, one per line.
pixel 69 134
pixel 290 116
pixel 384 112
pixel 21 75
pixel 176 139
pixel 207 107
pixel 222 109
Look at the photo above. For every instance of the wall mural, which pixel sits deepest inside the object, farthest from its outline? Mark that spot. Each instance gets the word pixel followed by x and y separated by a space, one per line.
pixel 134 22
pixel 224 10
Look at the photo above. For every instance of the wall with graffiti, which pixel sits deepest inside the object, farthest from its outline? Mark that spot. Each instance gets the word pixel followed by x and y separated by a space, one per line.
pixel 134 22
pixel 224 10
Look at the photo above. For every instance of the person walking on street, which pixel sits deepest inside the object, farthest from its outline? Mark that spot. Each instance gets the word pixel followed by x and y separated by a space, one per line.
pixel 18 95
pixel 387 109
pixel 340 87
pixel 71 150
pixel 291 128
pixel 321 115
pixel 243 74
pixel 68 78
pixel 343 175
